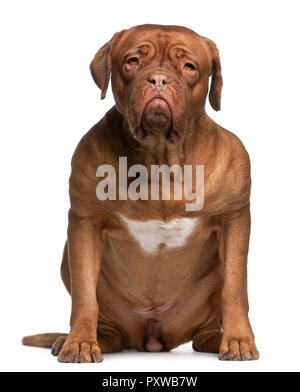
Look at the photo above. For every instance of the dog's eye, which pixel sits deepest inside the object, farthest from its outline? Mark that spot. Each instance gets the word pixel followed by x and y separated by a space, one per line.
pixel 133 61
pixel 189 67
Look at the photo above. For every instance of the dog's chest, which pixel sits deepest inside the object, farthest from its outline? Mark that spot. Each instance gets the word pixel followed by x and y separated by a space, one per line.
pixel 152 233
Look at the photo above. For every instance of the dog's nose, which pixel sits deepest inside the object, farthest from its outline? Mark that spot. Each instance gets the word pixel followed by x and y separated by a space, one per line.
pixel 158 79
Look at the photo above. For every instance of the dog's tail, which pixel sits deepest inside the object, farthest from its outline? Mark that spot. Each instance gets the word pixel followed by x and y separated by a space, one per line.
pixel 42 340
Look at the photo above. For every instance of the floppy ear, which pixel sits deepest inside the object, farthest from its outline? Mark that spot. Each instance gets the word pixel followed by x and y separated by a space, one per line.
pixel 216 78
pixel 101 66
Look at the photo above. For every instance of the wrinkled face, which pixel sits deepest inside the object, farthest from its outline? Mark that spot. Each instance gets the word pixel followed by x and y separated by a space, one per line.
pixel 160 77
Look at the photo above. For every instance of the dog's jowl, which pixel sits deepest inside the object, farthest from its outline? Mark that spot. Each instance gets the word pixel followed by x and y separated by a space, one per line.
pixel 151 273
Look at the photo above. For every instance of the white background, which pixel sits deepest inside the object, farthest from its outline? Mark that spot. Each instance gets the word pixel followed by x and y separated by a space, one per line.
pixel 48 101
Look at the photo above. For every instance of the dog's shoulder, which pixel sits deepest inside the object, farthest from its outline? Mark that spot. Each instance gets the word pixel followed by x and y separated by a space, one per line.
pixel 235 161
pixel 239 157
pixel 96 146
pixel 94 149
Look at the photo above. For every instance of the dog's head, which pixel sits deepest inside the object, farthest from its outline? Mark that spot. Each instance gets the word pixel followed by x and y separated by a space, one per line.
pixel 160 78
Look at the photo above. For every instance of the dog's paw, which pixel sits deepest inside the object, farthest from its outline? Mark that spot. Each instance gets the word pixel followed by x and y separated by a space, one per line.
pixel 83 352
pixel 238 349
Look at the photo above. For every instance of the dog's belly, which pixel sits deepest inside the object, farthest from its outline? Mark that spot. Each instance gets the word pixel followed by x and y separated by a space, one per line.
pixel 155 275
pixel 153 260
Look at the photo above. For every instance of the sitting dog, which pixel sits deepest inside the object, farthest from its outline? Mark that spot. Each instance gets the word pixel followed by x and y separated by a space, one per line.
pixel 151 274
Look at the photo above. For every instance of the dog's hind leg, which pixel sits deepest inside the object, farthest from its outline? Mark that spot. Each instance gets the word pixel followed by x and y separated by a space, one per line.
pixel 109 339
pixel 58 344
pixel 111 343
pixel 207 343
pixel 65 269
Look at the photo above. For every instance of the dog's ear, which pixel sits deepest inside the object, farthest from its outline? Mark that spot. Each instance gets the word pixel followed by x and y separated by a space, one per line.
pixel 216 78
pixel 102 64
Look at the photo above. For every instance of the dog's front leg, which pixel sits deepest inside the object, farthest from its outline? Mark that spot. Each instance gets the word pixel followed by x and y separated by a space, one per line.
pixel 84 248
pixel 238 339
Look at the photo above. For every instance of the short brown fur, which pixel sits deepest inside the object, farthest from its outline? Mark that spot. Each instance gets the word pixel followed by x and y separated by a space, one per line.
pixel 109 276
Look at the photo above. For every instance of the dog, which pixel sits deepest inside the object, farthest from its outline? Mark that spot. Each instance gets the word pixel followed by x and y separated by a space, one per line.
pixel 152 274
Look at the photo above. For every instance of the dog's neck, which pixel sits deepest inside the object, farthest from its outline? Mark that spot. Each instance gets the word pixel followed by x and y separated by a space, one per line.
pixel 197 143
pixel 158 150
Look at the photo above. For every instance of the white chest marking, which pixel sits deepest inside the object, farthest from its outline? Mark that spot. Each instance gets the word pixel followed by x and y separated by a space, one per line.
pixel 151 233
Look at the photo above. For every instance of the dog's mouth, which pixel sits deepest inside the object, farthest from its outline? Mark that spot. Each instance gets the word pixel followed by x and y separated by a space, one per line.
pixel 156 118
pixel 156 115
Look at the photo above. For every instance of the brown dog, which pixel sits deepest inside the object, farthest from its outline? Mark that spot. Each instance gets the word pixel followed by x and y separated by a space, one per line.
pixel 168 275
